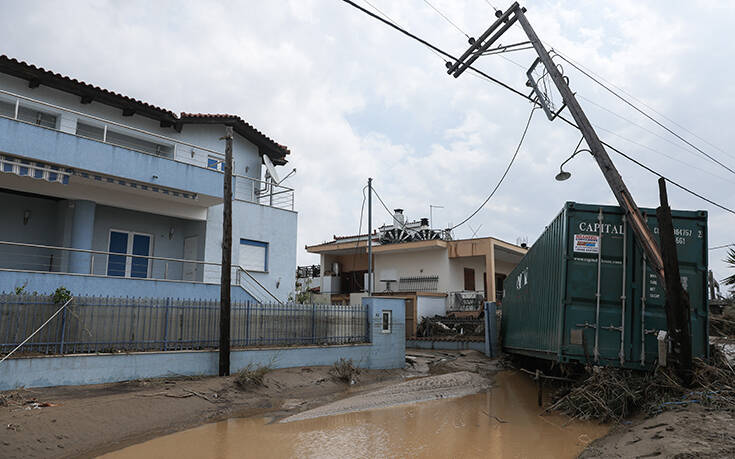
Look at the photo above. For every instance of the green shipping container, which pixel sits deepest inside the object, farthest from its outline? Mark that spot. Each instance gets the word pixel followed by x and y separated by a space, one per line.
pixel 550 303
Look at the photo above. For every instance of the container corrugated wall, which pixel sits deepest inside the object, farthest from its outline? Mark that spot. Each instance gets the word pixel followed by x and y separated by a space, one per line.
pixel 550 306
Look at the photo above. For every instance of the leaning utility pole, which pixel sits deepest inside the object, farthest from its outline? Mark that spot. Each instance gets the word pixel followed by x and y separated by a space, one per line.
pixel 225 277
pixel 370 237
pixel 480 46
pixel 678 311
pixel 666 267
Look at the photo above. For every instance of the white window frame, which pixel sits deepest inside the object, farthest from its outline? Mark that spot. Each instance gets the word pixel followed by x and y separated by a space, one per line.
pixel 129 255
pixel 389 314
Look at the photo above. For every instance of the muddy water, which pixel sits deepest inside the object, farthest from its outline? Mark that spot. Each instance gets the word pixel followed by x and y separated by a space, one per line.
pixel 466 427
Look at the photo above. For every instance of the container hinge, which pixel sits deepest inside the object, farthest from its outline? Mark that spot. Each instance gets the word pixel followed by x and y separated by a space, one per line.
pixel 586 325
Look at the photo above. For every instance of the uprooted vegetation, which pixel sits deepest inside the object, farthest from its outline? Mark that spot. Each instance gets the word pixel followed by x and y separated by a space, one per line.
pixel 450 327
pixel 613 394
pixel 251 375
pixel 345 370
pixel 723 324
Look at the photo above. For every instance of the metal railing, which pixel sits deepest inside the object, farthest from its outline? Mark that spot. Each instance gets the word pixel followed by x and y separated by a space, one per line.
pixel 264 193
pixel 418 284
pixel 108 325
pixel 466 301
pixel 21 256
pixel 146 142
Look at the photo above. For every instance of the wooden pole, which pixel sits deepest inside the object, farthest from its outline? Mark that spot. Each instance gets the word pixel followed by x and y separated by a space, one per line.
pixel 678 313
pixel 225 287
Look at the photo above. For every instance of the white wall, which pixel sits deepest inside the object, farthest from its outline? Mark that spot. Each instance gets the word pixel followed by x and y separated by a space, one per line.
pixel 277 227
pixel 430 306
pixel 431 262
pixel 456 271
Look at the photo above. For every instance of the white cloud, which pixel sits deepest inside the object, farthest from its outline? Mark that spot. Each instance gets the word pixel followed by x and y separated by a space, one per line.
pixel 353 99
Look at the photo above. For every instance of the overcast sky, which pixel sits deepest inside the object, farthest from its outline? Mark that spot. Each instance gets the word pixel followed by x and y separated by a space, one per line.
pixel 354 99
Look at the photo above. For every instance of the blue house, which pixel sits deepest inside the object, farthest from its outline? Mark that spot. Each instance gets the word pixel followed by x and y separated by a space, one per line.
pixel 108 195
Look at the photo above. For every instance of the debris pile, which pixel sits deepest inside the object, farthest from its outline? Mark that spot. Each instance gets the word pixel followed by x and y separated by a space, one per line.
pixel 612 394
pixel 448 326
pixel 723 324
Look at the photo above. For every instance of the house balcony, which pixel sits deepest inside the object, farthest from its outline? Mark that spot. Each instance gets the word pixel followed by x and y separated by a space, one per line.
pixel 74 145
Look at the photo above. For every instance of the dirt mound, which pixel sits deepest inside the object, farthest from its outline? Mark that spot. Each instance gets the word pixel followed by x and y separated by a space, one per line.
pixel 416 390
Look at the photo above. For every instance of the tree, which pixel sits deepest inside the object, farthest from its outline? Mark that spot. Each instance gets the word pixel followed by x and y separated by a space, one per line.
pixel 730 260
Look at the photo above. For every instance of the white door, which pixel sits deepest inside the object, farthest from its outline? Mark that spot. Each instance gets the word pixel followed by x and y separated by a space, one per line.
pixel 191 270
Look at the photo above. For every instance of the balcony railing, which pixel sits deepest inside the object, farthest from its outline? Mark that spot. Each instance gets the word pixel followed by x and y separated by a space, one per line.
pixel 264 193
pixel 21 256
pixel 49 116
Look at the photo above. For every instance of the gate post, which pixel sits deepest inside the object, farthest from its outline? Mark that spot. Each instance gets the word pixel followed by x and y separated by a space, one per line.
pixel 491 329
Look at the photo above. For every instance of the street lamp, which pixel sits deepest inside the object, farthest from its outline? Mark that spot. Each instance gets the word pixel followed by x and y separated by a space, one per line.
pixel 564 175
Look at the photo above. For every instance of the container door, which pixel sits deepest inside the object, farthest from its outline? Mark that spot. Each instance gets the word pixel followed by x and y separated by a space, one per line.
pixel 649 298
pixel 597 293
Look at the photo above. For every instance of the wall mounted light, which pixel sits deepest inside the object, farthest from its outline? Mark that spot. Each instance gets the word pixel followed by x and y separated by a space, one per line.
pixel 26 216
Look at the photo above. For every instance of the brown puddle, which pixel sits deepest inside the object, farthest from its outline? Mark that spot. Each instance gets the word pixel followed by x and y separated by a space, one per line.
pixel 464 427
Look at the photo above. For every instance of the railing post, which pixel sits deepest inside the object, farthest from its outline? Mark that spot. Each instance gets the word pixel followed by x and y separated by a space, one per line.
pixel 313 323
pixel 104 134
pixel 91 264
pixel 165 325
pixel 247 324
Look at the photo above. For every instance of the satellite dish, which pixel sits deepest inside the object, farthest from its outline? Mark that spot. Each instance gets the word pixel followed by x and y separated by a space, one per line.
pixel 271 169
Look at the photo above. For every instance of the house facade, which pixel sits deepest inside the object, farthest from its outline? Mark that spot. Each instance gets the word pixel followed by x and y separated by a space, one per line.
pixel 108 195
pixel 433 272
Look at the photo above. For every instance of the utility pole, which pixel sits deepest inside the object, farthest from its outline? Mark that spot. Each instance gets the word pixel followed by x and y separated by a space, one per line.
pixel 480 46
pixel 225 281
pixel 370 237
pixel 678 311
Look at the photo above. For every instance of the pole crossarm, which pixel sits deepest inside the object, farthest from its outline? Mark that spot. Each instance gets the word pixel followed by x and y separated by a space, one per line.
pixel 515 14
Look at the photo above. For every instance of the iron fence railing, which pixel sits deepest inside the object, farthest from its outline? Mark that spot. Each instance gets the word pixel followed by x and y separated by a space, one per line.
pixel 109 325
pixel 418 284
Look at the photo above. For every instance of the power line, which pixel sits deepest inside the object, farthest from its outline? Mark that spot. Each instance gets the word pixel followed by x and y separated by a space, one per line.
pixel 646 114
pixel 518 148
pixel 556 50
pixel 722 246
pixel 391 20
pixel 447 19
pixel 672 158
pixel 525 96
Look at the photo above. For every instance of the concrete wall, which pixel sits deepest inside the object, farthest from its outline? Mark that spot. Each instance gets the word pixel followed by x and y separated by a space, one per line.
pixel 251 221
pixel 446 345
pixel 385 351
pixel 41 228
pixel 47 283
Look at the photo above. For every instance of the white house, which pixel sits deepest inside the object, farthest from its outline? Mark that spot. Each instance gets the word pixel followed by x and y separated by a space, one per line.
pixel 434 273
pixel 106 194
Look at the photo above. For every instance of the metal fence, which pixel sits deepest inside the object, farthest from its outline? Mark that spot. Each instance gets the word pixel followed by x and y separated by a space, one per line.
pixel 105 324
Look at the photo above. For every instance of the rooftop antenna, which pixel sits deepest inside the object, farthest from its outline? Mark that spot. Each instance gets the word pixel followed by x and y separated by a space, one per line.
pixel 431 213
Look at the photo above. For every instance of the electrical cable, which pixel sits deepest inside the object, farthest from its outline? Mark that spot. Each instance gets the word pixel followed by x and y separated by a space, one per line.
pixel 556 51
pixel 518 148
pixel 645 114
pixel 359 228
pixel 722 246
pixel 525 96
pixel 447 19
